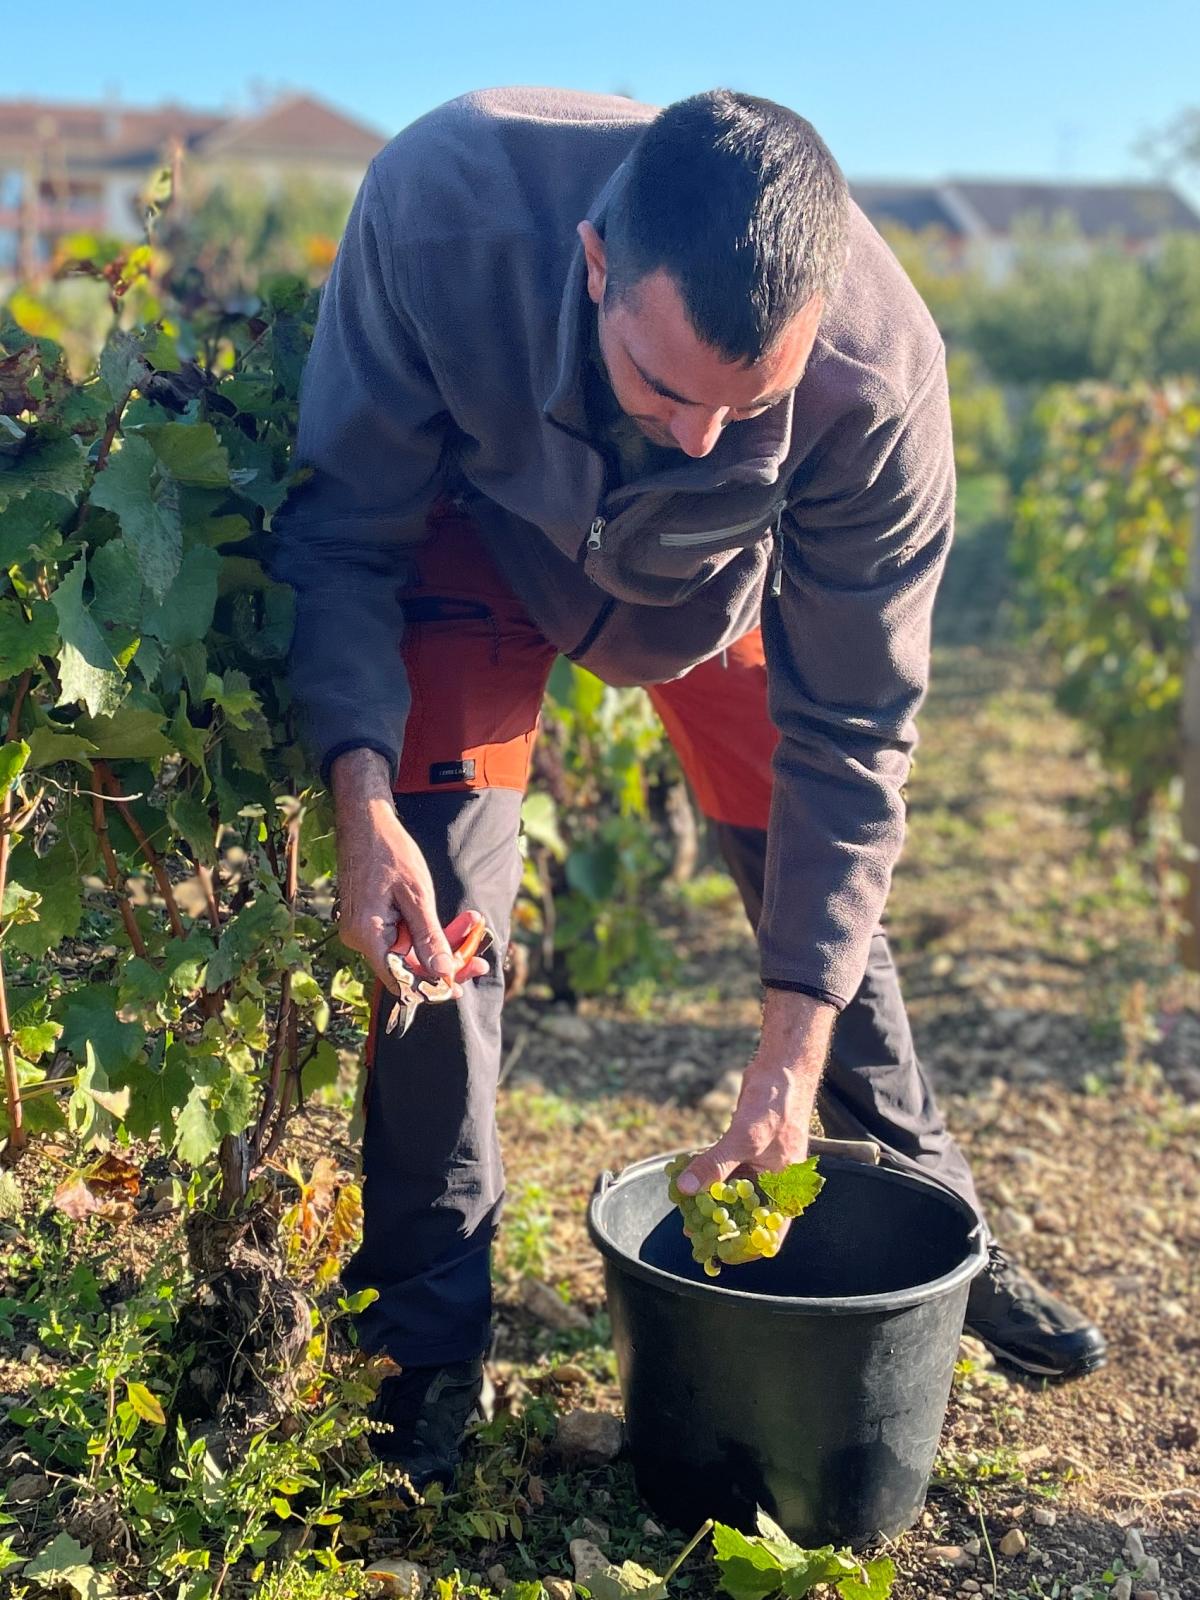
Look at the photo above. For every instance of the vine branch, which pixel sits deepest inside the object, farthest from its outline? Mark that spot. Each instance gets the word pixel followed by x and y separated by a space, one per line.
pixel 284 1044
pixel 113 874
pixel 17 1136
pixel 108 783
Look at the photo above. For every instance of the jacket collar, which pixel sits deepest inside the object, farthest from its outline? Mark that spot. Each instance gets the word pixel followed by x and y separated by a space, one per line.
pixel 747 452
pixel 565 403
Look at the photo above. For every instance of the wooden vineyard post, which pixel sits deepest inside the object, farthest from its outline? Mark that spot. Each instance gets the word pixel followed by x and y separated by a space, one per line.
pixel 1190 948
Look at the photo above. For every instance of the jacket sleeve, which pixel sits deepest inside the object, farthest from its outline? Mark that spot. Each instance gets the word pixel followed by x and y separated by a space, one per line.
pixel 371 436
pixel 847 647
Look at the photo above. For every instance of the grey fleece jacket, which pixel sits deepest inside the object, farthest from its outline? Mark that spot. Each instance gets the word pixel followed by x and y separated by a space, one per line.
pixel 449 357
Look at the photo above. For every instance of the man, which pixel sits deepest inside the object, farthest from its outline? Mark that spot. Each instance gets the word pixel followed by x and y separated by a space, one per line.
pixel 646 389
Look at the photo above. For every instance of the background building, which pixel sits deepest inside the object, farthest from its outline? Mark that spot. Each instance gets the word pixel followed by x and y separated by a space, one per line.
pixel 67 169
pixel 980 220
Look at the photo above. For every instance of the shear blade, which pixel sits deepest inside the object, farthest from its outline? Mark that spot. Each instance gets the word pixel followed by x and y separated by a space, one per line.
pixel 401 1017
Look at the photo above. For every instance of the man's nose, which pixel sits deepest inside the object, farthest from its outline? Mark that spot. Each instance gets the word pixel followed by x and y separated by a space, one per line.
pixel 696 432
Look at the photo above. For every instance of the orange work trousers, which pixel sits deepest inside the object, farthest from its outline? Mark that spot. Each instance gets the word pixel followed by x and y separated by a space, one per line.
pixel 477 666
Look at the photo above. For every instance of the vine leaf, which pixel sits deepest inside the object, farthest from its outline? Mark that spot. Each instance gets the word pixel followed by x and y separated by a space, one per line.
pixel 185 613
pixel 52 460
pixel 876 1581
pixel 185 959
pixel 90 1021
pixel 192 453
pixel 323 1070
pixel 106 1187
pixel 189 816
pixel 47 745
pixel 157 1091
pixel 23 640
pixel 755 1566
pixel 630 1579
pixel 123 365
pixel 14 757
pixel 94 1104
pixel 147 506
pixel 36 1038
pixel 234 696
pixel 88 672
pixel 251 927
pixel 54 880
pixel 31 527
pixel 134 732
pixel 539 821
pixel 196 1131
pixel 116 583
pixel 794 1189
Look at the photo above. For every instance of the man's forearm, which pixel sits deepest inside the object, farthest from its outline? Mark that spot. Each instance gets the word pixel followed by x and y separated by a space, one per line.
pixel 796 1031
pixel 769 1129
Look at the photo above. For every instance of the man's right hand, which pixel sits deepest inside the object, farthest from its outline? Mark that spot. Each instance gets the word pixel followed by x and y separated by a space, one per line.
pixel 383 879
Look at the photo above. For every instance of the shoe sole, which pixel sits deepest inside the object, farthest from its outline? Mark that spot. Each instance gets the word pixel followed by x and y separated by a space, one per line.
pixel 1079 1369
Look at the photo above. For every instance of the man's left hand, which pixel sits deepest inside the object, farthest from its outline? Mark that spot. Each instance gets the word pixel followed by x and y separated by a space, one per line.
pixel 770 1125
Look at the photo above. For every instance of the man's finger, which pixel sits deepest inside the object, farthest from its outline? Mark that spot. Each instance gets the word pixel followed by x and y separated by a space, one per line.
pixel 431 946
pixel 417 907
pixel 712 1164
pixel 372 937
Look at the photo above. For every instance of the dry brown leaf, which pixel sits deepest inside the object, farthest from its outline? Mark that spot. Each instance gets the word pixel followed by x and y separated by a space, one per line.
pixel 106 1187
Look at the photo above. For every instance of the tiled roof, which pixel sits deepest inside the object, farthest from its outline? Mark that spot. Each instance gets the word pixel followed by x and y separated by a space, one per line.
pixel 1133 210
pixel 297 125
pixel 95 134
pixel 914 206
pixel 100 136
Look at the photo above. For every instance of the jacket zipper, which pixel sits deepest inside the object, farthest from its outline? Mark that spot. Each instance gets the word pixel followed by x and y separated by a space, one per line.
pixel 611 474
pixel 711 535
pixel 777 553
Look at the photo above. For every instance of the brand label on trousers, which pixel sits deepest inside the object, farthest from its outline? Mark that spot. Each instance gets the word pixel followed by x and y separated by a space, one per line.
pixel 452 771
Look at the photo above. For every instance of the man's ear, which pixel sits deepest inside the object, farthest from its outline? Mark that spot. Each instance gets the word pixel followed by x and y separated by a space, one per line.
pixel 597 262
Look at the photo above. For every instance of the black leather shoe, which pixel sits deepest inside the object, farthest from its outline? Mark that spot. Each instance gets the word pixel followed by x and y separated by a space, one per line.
pixel 1026 1326
pixel 429 1410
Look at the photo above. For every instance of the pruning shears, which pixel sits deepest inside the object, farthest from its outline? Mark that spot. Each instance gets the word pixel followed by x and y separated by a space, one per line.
pixel 466 934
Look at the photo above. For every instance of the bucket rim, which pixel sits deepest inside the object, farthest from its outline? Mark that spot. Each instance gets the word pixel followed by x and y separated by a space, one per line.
pixel 797 1305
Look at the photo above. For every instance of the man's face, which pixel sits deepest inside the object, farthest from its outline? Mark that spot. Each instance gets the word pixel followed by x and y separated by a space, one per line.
pixel 681 392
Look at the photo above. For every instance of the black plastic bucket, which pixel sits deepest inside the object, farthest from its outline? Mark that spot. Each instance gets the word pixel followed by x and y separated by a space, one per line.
pixel 813 1385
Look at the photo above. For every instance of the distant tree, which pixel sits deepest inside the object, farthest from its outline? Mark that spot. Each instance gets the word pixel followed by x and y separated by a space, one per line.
pixel 1173 282
pixel 1175 147
pixel 230 230
pixel 946 288
pixel 1065 313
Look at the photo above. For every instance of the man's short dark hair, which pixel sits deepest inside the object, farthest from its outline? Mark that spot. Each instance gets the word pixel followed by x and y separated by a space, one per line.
pixel 740 201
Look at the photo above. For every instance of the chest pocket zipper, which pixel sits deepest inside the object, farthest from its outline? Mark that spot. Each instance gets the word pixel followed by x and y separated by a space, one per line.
pixel 713 535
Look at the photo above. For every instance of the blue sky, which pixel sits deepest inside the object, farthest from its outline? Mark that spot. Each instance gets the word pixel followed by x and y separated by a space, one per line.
pixel 1057 89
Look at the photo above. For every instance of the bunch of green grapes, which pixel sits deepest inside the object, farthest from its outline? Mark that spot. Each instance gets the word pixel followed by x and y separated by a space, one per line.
pixel 727 1223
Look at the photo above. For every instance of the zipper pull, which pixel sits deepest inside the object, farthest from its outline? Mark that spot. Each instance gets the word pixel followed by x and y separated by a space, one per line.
pixel 777 555
pixel 596 533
